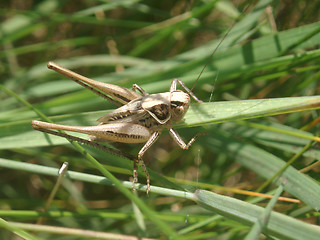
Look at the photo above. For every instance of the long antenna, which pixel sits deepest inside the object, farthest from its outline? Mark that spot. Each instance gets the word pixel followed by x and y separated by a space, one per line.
pixel 212 54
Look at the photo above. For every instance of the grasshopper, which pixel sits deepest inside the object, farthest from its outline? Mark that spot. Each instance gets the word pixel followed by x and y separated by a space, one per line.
pixel 141 118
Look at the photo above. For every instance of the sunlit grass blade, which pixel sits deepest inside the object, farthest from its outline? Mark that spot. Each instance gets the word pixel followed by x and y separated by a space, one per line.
pixel 266 164
pixel 278 225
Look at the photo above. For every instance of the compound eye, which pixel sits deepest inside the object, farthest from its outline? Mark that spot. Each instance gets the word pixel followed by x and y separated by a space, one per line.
pixel 178 110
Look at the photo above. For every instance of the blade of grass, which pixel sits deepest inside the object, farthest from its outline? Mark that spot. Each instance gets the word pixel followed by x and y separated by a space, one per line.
pixel 20 134
pixel 17 230
pixel 266 165
pixel 263 220
pixel 278 225
pixel 246 213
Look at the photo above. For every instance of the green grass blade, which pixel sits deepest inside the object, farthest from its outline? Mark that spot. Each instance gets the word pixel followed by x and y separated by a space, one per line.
pixel 278 225
pixel 267 165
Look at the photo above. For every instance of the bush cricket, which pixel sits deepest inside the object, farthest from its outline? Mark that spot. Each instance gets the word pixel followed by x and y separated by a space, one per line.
pixel 141 118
